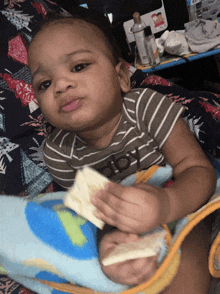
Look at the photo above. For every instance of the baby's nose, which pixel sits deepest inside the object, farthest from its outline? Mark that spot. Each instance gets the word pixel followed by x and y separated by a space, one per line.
pixel 63 84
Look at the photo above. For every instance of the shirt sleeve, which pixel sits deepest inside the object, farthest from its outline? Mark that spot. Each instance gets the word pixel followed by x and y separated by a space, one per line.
pixel 57 164
pixel 158 114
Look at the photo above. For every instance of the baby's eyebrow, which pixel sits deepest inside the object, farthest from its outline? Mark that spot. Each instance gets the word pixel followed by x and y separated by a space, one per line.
pixel 64 59
pixel 38 71
pixel 78 52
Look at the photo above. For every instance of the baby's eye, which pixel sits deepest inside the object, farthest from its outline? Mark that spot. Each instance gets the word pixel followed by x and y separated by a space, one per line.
pixel 80 67
pixel 45 85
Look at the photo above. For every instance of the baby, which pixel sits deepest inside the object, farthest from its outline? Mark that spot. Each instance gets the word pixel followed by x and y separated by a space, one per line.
pixel 83 89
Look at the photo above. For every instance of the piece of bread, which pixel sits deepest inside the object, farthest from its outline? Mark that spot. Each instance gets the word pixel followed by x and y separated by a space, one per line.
pixel 87 182
pixel 149 245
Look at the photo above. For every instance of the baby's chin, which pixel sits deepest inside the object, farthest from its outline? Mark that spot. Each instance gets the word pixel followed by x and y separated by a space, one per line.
pixel 70 127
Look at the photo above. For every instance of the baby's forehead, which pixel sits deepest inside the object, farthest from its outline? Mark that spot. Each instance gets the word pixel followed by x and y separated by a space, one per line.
pixel 76 26
pixel 87 31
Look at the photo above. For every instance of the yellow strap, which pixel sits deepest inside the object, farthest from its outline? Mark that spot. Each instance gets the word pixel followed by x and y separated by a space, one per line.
pixel 147 174
pixel 212 255
pixel 165 279
pixel 69 288
pixel 194 219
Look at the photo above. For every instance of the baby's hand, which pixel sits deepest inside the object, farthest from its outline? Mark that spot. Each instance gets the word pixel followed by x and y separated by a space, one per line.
pixel 130 272
pixel 137 209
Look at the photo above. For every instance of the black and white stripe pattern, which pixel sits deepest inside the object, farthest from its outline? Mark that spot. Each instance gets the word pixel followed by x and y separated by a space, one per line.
pixel 145 124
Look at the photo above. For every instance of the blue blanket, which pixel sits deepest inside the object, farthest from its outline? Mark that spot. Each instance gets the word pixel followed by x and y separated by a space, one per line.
pixel 42 239
pixel 44 245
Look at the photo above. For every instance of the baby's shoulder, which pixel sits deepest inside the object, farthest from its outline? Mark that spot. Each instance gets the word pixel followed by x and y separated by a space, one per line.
pixel 60 139
pixel 135 93
pixel 56 135
pixel 140 96
pixel 137 101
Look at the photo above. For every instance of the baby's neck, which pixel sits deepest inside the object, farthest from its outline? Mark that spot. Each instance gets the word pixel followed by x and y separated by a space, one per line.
pixel 101 137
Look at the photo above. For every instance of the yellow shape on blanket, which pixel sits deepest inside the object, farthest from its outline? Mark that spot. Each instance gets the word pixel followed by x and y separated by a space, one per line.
pixel 41 264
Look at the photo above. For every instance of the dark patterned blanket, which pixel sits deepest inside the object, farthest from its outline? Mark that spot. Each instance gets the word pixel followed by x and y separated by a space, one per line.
pixel 23 129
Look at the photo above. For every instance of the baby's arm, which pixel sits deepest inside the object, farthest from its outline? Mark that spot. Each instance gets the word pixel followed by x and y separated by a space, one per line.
pixel 195 177
pixel 141 208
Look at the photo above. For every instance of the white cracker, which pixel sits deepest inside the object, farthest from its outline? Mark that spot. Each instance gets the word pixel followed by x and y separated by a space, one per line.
pixel 148 246
pixel 78 198
pixel 94 179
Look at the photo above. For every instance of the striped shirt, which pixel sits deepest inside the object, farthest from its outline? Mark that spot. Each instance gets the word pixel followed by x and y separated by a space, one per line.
pixel 146 121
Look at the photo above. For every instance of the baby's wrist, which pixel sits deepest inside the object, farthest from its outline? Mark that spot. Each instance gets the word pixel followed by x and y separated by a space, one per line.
pixel 164 207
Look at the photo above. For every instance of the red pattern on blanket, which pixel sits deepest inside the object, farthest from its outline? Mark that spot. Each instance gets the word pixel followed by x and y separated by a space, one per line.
pixel 8 286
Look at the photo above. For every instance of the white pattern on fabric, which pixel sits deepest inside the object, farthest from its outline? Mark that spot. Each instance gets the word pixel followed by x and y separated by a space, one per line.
pixel 146 121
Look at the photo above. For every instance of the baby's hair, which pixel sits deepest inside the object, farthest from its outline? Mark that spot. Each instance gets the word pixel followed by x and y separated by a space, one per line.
pixel 101 23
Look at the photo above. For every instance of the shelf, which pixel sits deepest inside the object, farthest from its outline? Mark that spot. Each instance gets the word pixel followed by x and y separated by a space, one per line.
pixel 167 62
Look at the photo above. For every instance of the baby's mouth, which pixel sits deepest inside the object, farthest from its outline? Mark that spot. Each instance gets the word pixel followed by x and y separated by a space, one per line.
pixel 71 106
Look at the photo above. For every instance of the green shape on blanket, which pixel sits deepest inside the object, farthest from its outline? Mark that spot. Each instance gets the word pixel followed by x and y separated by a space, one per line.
pixel 71 227
pixel 2 270
pixel 61 228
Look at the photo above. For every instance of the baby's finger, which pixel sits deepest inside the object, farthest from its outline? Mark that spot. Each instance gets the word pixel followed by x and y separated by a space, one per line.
pixel 117 213
pixel 109 204
pixel 122 192
pixel 122 222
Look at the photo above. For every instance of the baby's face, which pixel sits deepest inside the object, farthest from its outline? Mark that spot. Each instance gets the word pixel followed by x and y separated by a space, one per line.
pixel 76 83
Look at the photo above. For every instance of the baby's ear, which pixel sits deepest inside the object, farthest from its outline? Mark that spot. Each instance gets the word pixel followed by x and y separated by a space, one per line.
pixel 123 76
